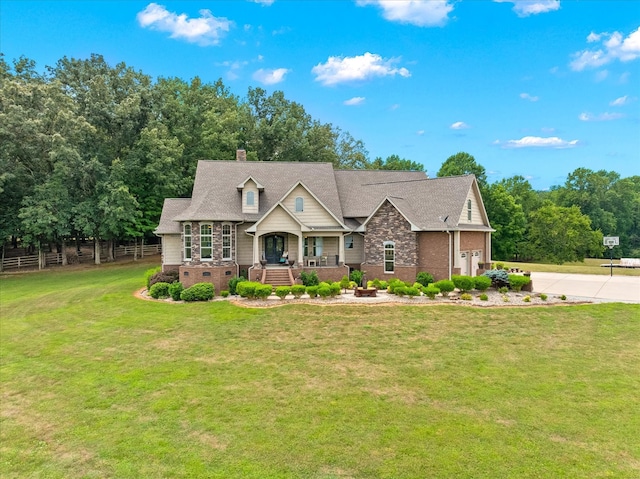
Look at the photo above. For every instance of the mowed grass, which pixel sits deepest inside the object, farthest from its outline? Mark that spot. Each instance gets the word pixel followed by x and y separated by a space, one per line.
pixel 97 383
pixel 588 266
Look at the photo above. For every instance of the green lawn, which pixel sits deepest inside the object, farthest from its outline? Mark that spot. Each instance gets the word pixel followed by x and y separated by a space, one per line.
pixel 96 383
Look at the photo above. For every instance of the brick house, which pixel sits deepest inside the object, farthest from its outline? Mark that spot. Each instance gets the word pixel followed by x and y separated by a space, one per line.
pixel 269 221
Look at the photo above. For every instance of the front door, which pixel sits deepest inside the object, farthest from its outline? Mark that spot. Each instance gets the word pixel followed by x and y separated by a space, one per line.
pixel 273 248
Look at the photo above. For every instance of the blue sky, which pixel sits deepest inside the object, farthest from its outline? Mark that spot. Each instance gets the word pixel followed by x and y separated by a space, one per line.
pixel 533 88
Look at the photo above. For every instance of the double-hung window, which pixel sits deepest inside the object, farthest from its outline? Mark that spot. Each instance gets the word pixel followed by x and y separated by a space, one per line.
pixel 206 242
pixel 313 246
pixel 187 242
pixel 389 256
pixel 226 242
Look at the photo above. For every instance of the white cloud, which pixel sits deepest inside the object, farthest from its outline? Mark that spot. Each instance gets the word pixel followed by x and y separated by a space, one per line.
pixel 420 132
pixel 601 75
pixel 268 76
pixel 601 117
pixel 526 96
pixel 363 67
pixel 537 142
pixel 234 67
pixel 623 100
pixel 205 30
pixel 613 47
pixel 524 8
pixel 264 3
pixel 422 13
pixel 459 125
pixel 356 100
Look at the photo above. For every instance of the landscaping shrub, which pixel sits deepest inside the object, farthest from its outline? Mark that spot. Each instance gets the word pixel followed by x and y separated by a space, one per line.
pixel 379 284
pixel 383 284
pixel 431 291
pixel 263 291
pixel 484 297
pixel 424 278
pixel 335 289
pixel 462 282
pixel 324 290
pixel 412 291
pixel 159 290
pixel 356 275
pixel 499 265
pixel 481 283
pixel 310 278
pixel 224 293
pixel 503 290
pixel 400 289
pixel 563 297
pixel 394 284
pixel 527 299
pixel 233 283
pixel 298 290
pixel 312 291
pixel 352 285
pixel 149 273
pixel 344 283
pixel 282 291
pixel 466 297
pixel 517 281
pixel 198 292
pixel 543 297
pixel 417 285
pixel 170 276
pixel 445 286
pixel 175 290
pixel 498 277
pixel 247 289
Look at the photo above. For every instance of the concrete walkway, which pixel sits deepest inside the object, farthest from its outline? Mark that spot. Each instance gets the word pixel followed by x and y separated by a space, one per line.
pixel 589 286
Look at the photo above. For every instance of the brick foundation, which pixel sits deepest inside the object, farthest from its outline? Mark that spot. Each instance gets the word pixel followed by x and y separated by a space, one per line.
pixel 219 276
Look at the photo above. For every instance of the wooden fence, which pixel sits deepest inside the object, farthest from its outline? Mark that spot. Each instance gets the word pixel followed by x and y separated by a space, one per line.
pixel 51 259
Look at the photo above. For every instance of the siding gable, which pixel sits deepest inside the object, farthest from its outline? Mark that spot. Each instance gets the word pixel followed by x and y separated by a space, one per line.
pixel 476 213
pixel 250 187
pixel 313 214
pixel 278 220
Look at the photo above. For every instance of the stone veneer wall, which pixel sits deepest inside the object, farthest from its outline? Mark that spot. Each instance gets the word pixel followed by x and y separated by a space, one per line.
pixel 389 225
pixel 216 245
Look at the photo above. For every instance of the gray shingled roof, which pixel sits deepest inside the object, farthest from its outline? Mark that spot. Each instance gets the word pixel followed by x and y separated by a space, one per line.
pixel 172 207
pixel 423 201
pixel 216 197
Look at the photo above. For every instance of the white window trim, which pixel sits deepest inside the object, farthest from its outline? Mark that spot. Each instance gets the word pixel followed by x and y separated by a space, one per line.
pixel 301 209
pixel 230 235
pixel 211 236
pixel 251 202
pixel 184 244
pixel 349 242
pixel 384 257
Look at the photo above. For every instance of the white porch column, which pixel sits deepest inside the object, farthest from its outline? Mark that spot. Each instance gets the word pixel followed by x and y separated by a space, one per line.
pixel 487 246
pixel 300 250
pixel 256 249
pixel 456 249
pixel 341 250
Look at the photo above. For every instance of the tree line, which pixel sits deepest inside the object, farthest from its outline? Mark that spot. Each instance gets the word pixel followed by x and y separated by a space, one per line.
pixel 90 150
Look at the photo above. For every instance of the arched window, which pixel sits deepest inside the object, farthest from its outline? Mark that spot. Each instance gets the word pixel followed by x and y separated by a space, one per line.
pixel 226 240
pixel 250 198
pixel 299 204
pixel 389 256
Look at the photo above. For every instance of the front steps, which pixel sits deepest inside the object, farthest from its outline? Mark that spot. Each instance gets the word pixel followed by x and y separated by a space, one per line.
pixel 277 277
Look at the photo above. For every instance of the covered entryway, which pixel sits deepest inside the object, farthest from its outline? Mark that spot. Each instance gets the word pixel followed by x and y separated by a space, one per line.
pixel 273 248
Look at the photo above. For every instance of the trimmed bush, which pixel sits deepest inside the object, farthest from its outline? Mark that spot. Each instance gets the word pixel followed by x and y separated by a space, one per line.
pixel 175 290
pixel 516 281
pixel 335 289
pixel 198 292
pixel 543 297
pixel 344 283
pixel 263 291
pixel 298 290
pixel 149 273
pixel 503 290
pixel 394 284
pixel 424 278
pixel 466 297
pixel 282 291
pixel 563 297
pixel 412 291
pixel 484 297
pixel 417 285
pixel 445 286
pixel 462 282
pixel 383 284
pixel 310 278
pixel 356 275
pixel 482 283
pixel 527 299
pixel 400 289
pixel 431 291
pixel 170 276
pixel 498 277
pixel 247 289
pixel 324 290
pixel 312 291
pixel 159 290
pixel 224 293
pixel 499 265
pixel 233 283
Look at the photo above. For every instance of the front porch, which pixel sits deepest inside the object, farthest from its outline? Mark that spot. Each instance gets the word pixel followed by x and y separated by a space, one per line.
pixel 299 251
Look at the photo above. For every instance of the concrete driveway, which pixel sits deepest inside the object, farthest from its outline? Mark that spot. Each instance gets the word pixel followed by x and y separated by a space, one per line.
pixel 589 286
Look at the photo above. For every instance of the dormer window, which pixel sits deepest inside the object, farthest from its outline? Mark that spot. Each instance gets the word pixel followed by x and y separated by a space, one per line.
pixel 250 198
pixel 299 204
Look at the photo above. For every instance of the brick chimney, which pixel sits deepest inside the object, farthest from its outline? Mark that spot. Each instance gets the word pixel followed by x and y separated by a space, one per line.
pixel 241 155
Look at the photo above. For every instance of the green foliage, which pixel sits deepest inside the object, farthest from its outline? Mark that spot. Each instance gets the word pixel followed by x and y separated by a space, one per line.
pixel 400 289
pixel 466 297
pixel 498 277
pixel 335 289
pixel 517 282
pixel 312 291
pixel 527 299
pixel 283 291
pixel 310 278
pixel 543 296
pixel 263 291
pixel 482 282
pixel 344 283
pixel 462 282
pixel 499 265
pixel 412 291
pixel 148 274
pixel 431 291
pixel 418 286
pixel 508 220
pixel 324 290
pixel 247 289
pixel 503 289
pixel 484 297
pixel 298 290
pixel 225 293
pixel 445 286
pixel 233 283
pixel 394 162
pixel 462 164
pixel 175 290
pixel 356 276
pixel 159 290
pixel 563 297
pixel 198 292
pixel 170 276
pixel 424 278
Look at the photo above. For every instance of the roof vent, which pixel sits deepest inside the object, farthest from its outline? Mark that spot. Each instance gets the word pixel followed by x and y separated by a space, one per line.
pixel 241 155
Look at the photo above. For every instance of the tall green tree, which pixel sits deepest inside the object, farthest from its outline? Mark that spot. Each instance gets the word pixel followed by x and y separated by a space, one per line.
pixel 394 162
pixel 508 220
pixel 463 164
